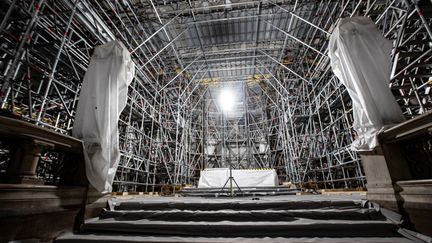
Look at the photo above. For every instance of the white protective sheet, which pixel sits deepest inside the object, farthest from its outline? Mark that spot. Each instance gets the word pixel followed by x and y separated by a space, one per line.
pixel 216 178
pixel 360 58
pixel 102 98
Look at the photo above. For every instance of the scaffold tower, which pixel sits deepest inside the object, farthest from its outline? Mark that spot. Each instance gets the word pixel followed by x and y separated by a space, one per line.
pixel 289 111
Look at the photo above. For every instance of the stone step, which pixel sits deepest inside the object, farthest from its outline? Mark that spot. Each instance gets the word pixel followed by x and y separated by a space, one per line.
pixel 227 204
pixel 241 216
pixel 114 238
pixel 295 228
pixel 310 218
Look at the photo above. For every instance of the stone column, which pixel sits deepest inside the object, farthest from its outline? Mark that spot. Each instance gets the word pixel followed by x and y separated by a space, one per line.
pixel 25 159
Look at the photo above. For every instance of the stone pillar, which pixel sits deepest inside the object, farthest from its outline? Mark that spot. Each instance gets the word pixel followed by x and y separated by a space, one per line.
pixel 383 168
pixel 25 159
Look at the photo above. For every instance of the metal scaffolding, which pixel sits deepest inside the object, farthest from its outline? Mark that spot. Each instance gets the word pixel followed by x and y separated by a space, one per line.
pixel 290 112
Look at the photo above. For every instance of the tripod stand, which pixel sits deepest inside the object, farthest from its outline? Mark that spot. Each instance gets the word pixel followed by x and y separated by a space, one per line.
pixel 231 180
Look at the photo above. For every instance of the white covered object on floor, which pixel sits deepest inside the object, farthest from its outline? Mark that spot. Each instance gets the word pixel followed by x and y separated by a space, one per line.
pixel 103 96
pixel 217 177
pixel 360 58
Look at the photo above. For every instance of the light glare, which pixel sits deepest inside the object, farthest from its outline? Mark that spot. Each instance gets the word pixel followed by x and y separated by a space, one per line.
pixel 226 100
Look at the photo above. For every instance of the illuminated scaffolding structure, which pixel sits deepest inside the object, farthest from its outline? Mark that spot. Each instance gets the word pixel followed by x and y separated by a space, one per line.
pixel 290 112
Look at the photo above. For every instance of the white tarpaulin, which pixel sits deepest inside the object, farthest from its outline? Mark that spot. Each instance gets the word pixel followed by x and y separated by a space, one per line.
pixel 360 58
pixel 217 177
pixel 102 98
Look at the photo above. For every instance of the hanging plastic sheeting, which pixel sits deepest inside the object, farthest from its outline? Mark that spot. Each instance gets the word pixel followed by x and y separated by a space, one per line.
pixel 103 96
pixel 217 177
pixel 360 58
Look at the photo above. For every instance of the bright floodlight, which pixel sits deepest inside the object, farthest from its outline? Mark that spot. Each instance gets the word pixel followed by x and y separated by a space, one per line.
pixel 226 100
